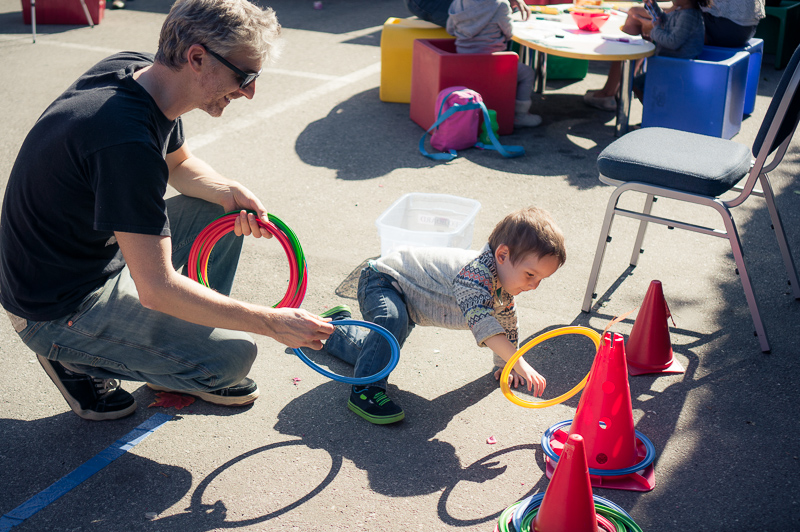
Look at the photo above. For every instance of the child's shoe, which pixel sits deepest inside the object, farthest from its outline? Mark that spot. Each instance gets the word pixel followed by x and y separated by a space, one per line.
pixel 339 312
pixel 606 103
pixel 522 118
pixel 374 405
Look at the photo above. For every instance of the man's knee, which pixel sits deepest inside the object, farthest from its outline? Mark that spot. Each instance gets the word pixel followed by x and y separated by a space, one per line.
pixel 239 355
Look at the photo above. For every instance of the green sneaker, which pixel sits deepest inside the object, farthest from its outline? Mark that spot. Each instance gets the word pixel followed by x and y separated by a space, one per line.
pixel 374 405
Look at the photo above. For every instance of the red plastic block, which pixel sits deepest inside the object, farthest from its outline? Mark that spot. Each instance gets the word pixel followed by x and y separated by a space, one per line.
pixel 436 66
pixel 63 11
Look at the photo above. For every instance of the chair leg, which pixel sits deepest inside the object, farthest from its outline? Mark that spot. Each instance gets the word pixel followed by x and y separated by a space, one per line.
pixel 637 246
pixel 780 234
pixel 86 12
pixel 749 294
pixel 600 251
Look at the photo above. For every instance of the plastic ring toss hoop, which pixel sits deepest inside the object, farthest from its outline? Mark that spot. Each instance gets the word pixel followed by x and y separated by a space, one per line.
pixel 394 357
pixel 593 335
pixel 205 241
pixel 298 278
pixel 519 516
pixel 643 463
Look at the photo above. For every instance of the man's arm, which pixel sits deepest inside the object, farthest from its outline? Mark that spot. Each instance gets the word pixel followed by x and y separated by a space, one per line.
pixel 161 288
pixel 191 176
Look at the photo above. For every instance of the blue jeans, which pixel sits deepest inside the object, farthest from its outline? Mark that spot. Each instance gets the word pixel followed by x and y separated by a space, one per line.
pixel 111 335
pixel 367 350
pixel 431 10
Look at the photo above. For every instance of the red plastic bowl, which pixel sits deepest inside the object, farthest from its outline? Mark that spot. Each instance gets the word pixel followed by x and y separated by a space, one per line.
pixel 589 21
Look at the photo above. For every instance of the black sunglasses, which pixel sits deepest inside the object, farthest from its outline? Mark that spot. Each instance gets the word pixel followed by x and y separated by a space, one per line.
pixel 247 78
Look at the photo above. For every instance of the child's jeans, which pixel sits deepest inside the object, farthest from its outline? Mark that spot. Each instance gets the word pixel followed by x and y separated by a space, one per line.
pixel 525 79
pixel 381 302
pixel 112 336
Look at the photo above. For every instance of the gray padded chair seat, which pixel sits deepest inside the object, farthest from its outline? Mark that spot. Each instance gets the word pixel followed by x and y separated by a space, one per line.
pixel 676 159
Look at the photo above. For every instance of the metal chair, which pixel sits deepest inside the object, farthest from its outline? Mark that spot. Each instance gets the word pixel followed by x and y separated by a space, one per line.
pixel 698 169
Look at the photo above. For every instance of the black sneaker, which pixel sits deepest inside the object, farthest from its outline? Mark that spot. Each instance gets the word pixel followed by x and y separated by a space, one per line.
pixel 90 397
pixel 374 405
pixel 240 394
pixel 339 312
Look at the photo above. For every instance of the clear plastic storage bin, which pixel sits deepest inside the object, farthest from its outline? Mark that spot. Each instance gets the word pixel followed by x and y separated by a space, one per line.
pixel 434 220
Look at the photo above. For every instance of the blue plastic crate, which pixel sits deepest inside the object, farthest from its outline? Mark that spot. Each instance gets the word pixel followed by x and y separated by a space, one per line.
pixel 704 95
pixel 755 47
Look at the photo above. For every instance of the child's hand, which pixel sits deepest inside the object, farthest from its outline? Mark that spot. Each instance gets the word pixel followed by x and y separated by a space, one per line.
pixel 655 12
pixel 522 7
pixel 514 378
pixel 523 372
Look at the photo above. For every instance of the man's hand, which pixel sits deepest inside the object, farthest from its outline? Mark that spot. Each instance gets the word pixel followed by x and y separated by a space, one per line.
pixel 193 177
pixel 298 328
pixel 246 223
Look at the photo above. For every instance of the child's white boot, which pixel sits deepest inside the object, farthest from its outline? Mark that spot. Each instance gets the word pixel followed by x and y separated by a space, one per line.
pixel 522 118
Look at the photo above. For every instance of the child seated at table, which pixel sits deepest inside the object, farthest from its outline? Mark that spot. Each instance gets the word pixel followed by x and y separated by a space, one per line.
pixel 484 26
pixel 678 32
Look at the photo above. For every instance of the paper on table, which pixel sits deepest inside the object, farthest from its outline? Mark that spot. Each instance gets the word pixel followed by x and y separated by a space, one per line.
pixel 537 25
pixel 543 31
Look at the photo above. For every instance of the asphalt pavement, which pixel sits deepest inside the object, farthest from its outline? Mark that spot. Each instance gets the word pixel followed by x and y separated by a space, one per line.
pixel 328 157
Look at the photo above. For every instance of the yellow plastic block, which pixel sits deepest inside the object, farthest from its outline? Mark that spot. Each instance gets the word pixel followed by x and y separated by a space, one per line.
pixel 397 47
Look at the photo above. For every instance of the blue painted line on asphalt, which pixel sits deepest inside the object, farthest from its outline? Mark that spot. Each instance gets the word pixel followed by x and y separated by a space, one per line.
pixel 25 510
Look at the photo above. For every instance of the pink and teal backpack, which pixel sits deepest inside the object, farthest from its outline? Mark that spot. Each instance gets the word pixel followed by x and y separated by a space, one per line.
pixel 459 111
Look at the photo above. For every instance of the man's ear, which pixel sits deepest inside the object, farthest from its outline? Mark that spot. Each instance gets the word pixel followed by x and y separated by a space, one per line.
pixel 196 57
pixel 502 254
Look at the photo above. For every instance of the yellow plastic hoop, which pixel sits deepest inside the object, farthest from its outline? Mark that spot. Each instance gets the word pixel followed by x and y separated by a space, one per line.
pixel 593 335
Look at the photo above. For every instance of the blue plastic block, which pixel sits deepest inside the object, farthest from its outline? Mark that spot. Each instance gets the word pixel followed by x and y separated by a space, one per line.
pixel 755 47
pixel 704 95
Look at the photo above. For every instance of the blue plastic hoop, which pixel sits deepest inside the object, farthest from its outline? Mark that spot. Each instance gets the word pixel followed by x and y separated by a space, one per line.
pixel 648 458
pixel 393 345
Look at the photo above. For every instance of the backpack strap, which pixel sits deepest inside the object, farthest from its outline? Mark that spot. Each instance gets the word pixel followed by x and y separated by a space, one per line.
pixel 505 151
pixel 454 109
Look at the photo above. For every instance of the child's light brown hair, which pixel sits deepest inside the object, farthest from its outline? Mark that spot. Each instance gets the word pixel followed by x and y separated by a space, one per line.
pixel 529 230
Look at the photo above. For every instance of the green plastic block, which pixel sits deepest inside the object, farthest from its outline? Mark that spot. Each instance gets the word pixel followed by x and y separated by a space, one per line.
pixel 565 68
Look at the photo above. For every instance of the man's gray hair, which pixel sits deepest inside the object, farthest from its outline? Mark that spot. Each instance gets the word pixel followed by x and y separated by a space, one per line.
pixel 224 26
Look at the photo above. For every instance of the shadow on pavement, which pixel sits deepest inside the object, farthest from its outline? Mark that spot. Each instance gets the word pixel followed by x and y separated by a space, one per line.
pixel 380 138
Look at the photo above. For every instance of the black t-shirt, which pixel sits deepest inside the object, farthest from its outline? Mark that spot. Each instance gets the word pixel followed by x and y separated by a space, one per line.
pixel 92 164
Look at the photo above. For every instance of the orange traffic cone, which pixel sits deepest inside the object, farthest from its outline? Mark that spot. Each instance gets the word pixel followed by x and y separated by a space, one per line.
pixel 649 348
pixel 604 418
pixel 568 504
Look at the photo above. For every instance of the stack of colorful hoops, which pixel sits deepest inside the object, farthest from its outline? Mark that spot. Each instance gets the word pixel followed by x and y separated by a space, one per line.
pixel 207 239
pixel 298 279
pixel 519 516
